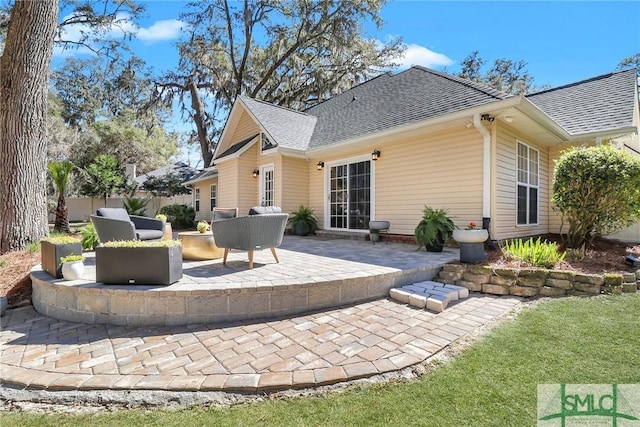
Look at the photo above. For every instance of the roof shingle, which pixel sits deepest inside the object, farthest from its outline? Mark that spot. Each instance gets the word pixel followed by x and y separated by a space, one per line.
pixel 597 104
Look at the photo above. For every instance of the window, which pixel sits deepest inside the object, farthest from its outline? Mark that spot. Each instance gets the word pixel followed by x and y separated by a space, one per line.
pixel 196 199
pixel 527 185
pixel 213 196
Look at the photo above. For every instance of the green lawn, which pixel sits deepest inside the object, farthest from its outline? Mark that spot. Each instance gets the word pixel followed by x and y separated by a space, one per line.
pixel 573 340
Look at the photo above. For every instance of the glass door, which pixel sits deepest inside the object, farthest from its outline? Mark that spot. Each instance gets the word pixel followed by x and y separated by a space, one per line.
pixel 350 195
pixel 267 189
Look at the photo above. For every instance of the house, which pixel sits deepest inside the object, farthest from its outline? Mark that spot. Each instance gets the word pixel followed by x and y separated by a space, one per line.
pixel 204 193
pixel 386 148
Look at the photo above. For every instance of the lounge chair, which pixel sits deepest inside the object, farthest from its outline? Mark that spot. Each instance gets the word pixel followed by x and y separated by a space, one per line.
pixel 116 224
pixel 249 233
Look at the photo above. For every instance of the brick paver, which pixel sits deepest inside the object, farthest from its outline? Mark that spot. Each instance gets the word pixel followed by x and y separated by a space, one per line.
pixel 295 352
pixel 315 349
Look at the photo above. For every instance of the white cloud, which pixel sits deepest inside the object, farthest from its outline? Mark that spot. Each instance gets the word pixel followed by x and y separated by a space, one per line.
pixel 161 30
pixel 420 55
pixel 164 30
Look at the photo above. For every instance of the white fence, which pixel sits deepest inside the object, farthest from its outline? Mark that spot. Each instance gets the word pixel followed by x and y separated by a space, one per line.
pixel 80 208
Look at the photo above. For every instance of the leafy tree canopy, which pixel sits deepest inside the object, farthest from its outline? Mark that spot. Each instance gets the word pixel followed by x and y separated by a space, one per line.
pixel 293 54
pixel 506 75
pixel 103 178
pixel 90 89
pixel 165 186
pixel 121 139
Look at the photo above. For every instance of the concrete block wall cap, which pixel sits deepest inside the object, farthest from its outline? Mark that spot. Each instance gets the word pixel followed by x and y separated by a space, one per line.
pixel 470 236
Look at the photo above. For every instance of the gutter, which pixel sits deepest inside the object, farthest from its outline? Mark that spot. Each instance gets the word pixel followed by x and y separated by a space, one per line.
pixel 486 168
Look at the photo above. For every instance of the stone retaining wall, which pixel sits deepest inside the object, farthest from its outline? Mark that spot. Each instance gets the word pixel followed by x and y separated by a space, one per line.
pixel 533 282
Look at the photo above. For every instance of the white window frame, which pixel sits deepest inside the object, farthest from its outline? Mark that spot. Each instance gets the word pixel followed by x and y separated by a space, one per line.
pixel 213 196
pixel 261 190
pixel 528 184
pixel 327 187
pixel 196 199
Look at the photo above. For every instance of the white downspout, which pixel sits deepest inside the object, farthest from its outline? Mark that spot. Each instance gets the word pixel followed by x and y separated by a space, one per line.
pixel 486 166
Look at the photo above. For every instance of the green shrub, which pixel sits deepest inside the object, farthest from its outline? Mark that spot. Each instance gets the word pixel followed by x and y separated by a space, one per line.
pixel 61 239
pixel 595 189
pixel 33 247
pixel 180 216
pixel 135 205
pixel 537 253
pixel 89 237
pixel 71 258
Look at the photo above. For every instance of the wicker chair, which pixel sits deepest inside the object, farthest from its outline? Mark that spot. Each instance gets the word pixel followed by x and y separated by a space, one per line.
pixel 116 224
pixel 249 233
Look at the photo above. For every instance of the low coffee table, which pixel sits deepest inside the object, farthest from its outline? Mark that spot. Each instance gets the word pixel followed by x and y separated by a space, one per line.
pixel 199 246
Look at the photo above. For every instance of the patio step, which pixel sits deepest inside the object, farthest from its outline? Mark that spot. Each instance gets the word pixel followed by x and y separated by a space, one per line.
pixel 434 296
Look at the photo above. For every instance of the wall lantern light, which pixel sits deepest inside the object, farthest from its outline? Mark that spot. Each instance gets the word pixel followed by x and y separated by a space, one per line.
pixel 320 165
pixel 255 173
pixel 375 155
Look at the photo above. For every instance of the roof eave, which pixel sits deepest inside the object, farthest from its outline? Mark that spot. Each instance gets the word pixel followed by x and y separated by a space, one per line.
pixel 604 133
pixel 462 114
pixel 237 154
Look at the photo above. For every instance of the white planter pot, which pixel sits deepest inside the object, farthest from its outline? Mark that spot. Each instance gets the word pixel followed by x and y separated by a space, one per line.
pixel 72 270
pixel 470 236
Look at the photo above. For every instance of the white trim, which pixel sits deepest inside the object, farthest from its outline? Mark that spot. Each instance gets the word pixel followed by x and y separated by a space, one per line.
pixel 327 186
pixel 263 169
pixel 527 185
pixel 238 153
pixel 486 165
pixel 197 199
pixel 216 198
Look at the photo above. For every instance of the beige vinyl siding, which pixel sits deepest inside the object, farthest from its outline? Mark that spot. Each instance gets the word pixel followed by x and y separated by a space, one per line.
pixel 504 208
pixel 245 129
pixel 555 221
pixel 294 183
pixel 246 185
pixel 228 184
pixel 204 214
pixel 438 169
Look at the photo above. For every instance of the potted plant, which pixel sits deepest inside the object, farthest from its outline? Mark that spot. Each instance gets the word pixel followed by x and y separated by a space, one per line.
pixel 72 266
pixel 471 242
pixel 303 221
pixel 55 247
pixel 168 230
pixel 202 226
pixel 470 234
pixel 434 229
pixel 135 262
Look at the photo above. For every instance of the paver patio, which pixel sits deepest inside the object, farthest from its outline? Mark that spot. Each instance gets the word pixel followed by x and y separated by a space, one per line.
pixel 331 346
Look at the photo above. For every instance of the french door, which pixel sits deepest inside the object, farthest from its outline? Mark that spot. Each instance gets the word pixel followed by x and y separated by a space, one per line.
pixel 349 198
pixel 267 188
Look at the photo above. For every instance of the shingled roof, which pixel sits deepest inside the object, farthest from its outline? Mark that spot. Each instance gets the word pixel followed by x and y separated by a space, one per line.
pixel 417 94
pixel 597 104
pixel 288 128
pixel 390 100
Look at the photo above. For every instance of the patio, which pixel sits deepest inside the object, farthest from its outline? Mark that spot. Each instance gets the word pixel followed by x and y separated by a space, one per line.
pixel 313 274
pixel 337 344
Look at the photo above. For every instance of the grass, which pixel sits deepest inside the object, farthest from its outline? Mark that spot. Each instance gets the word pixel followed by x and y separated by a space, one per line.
pixel 492 383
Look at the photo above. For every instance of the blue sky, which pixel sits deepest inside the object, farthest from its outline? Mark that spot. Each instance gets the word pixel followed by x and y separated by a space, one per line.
pixel 561 42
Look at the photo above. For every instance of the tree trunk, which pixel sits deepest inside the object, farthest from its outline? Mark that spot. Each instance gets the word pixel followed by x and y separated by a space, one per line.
pixel 199 119
pixel 62 216
pixel 24 78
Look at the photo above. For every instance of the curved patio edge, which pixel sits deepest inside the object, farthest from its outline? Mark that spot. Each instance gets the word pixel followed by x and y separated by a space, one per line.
pixel 331 347
pixel 301 283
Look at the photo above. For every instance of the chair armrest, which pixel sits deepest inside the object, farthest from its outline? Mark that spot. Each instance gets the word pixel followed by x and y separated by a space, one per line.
pixel 146 223
pixel 109 229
